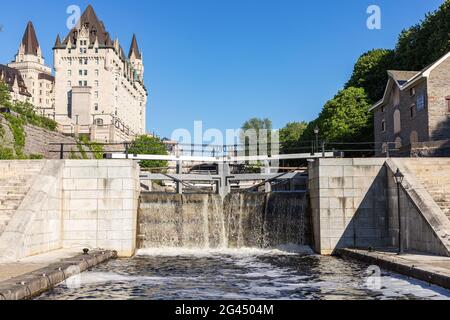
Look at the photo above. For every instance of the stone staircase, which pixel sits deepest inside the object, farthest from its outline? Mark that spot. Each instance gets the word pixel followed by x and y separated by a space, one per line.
pixel 16 179
pixel 434 174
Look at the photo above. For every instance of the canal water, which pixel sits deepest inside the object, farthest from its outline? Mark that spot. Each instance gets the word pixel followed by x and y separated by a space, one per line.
pixel 286 273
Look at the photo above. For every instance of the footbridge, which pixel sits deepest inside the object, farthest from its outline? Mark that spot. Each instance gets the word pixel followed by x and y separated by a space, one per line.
pixel 223 179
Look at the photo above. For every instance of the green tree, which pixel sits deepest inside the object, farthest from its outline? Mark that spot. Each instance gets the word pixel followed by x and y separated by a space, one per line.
pixel 149 145
pixel 290 136
pixel 5 96
pixel 252 129
pixel 426 41
pixel 345 118
pixel 370 72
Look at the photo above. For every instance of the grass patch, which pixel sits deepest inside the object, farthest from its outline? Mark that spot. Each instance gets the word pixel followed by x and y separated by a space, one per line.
pixel 6 153
pixel 28 114
pixel 36 157
pixel 94 147
pixel 16 126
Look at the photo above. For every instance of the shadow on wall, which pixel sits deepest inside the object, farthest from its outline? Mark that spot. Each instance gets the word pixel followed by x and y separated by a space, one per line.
pixel 369 226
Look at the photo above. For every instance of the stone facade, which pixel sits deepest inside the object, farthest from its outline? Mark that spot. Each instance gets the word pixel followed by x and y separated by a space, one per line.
pixel 414 110
pixel 36 74
pixel 96 84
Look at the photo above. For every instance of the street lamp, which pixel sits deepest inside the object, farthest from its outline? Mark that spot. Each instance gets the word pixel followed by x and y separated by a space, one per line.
pixel 316 132
pixel 398 177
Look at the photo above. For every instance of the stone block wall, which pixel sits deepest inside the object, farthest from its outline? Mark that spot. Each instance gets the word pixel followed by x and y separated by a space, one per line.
pixel 349 203
pixel 75 204
pixel 101 204
pixel 439 89
pixel 354 204
pixel 425 227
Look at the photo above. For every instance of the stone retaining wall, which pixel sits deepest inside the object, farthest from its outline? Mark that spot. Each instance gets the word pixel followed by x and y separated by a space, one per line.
pixel 76 203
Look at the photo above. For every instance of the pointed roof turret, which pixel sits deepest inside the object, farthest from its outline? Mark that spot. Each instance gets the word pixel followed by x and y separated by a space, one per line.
pixel 134 49
pixel 30 41
pixel 58 43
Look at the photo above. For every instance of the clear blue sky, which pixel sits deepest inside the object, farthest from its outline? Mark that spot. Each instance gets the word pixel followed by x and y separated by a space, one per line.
pixel 224 61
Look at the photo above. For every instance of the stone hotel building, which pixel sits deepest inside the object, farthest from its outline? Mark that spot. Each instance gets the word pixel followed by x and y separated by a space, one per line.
pixel 97 89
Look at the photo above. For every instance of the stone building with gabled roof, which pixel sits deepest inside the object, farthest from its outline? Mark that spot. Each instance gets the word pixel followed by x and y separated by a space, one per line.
pixel 14 80
pixel 99 90
pixel 413 117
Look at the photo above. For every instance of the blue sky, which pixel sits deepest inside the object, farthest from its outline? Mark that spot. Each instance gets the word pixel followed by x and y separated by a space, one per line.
pixel 225 61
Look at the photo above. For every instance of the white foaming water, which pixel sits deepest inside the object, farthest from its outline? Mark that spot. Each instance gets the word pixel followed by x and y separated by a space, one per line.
pixel 288 249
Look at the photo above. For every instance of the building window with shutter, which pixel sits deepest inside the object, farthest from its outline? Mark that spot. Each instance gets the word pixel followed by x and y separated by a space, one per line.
pixel 420 104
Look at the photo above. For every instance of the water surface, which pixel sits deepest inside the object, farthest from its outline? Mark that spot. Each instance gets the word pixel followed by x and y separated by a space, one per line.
pixel 238 274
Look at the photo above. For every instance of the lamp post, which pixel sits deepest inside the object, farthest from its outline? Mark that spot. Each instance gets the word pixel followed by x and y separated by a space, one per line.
pixel 316 132
pixel 398 176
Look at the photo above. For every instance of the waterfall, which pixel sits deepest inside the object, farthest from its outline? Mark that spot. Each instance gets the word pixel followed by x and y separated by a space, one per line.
pixel 196 221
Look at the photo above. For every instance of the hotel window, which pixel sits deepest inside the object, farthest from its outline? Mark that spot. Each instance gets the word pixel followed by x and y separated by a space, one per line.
pixel 97 72
pixel 420 103
pixel 85 72
pixel 383 126
pixel 81 61
pixel 69 83
pixel 85 83
pixel 97 60
pixel 96 83
pixel 86 61
pixel 80 83
pixel 69 51
pixel 96 94
pixel 80 72
pixel 96 107
pixel 412 111
pixel 96 50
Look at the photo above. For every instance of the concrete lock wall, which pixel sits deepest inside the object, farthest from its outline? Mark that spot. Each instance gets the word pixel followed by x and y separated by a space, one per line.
pixel 75 203
pixel 100 204
pixel 349 203
pixel 354 205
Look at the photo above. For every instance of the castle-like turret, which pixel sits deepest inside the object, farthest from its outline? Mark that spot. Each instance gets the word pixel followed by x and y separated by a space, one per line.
pixel 135 56
pixel 37 77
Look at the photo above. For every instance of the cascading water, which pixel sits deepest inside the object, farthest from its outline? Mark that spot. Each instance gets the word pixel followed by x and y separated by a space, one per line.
pixel 255 220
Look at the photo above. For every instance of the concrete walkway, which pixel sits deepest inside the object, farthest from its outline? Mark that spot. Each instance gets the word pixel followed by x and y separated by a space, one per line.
pixel 429 268
pixel 11 270
pixel 30 277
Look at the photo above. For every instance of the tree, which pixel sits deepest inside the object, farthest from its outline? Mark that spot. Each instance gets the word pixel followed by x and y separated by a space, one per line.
pixel 426 41
pixel 345 118
pixel 5 96
pixel 290 135
pixel 370 72
pixel 253 129
pixel 149 145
